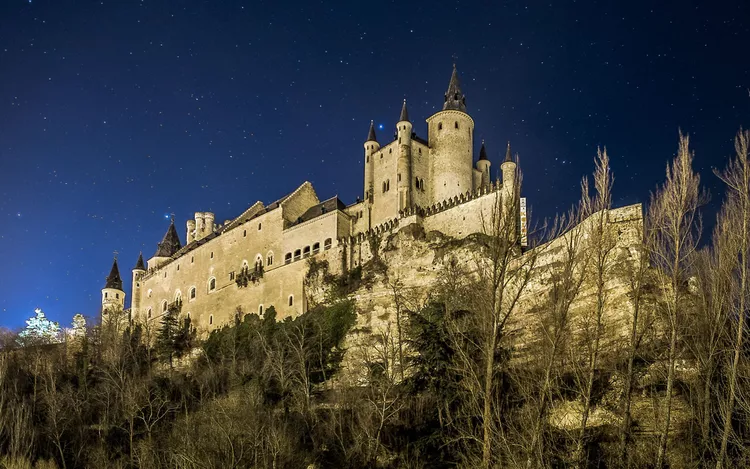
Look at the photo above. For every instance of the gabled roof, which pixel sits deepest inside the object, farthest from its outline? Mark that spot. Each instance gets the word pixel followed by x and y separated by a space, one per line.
pixel 113 279
pixel 170 244
pixel 331 205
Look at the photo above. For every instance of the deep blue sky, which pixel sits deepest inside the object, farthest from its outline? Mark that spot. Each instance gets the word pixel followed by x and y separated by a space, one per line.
pixel 115 113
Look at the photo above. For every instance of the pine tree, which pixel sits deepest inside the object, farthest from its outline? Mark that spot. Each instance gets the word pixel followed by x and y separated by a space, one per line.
pixel 40 330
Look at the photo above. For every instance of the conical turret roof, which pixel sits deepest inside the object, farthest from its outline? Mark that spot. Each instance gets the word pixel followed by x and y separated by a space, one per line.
pixel 454 97
pixel 140 265
pixel 170 244
pixel 113 279
pixel 483 152
pixel 404 113
pixel 371 134
pixel 508 157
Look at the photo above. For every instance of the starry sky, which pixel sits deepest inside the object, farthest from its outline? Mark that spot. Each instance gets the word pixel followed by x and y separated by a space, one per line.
pixel 115 114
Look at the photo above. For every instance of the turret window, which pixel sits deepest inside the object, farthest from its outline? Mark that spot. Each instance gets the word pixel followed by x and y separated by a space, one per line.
pixel 456 124
pixel 440 126
pixel 106 295
pixel 117 296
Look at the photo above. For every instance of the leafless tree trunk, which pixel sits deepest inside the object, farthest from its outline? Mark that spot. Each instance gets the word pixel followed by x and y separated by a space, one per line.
pixel 673 217
pixel 737 179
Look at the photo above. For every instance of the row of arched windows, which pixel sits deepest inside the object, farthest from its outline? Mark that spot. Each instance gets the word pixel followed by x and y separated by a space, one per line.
pixel 307 251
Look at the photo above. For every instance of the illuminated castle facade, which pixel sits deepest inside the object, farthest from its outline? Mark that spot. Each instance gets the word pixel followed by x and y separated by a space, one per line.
pixel 259 259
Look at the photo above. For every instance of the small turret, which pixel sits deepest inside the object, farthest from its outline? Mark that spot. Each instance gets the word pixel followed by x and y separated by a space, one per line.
pixel 510 192
pixel 371 146
pixel 483 165
pixel 113 296
pixel 138 271
pixel 404 176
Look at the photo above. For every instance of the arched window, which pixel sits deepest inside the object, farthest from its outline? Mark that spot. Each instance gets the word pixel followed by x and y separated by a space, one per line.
pixel 178 295
pixel 192 293
pixel 164 306
pixel 316 248
pixel 306 251
pixel 269 258
pixel 288 258
pixel 258 262
pixel 297 255
pixel 327 244
pixel 212 284
pixel 260 309
pixel 291 300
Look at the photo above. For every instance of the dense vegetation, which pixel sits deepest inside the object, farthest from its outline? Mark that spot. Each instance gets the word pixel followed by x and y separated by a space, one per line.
pixel 446 383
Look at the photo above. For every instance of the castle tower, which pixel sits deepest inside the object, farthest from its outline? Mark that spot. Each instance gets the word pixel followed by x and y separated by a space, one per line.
pixel 113 296
pixel 403 133
pixel 371 146
pixel 138 271
pixel 483 165
pixel 510 193
pixel 169 245
pixel 450 135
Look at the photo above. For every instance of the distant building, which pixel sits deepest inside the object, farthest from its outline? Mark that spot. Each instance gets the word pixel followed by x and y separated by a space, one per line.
pixel 258 259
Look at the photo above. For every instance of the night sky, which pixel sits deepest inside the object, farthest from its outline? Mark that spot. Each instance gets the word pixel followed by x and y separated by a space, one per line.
pixel 115 114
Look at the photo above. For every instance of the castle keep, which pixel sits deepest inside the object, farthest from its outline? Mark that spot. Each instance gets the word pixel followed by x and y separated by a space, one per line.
pixel 258 259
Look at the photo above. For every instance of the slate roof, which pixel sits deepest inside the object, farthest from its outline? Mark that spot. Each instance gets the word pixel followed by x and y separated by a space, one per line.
pixel 404 113
pixel 140 265
pixel 454 98
pixel 170 244
pixel 113 279
pixel 482 152
pixel 330 205
pixel 371 134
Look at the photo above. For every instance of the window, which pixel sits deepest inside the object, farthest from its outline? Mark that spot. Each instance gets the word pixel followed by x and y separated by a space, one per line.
pixel 399 177
pixel 192 259
pixel 367 159
pixel 269 258
pixel 117 296
pixel 316 248
pixel 258 262
pixel 291 300
pixel 192 293
pixel 260 225
pixel 399 140
pixel 106 294
pixel 231 275
pixel 456 124
pixel 188 315
pixel 212 284
pixel 178 267
pixel 149 313
pixel 390 151
pixel 297 254
pixel 260 309
pixel 440 126
pixel 165 275
pixel 327 244
pixel 212 255
pixel 211 319
pixel 244 233
pixel 420 151
pixel 288 258
pixel 178 295
pixel 164 306
pixel 306 252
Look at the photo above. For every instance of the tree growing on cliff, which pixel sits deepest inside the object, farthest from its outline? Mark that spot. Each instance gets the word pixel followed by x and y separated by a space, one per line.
pixel 40 330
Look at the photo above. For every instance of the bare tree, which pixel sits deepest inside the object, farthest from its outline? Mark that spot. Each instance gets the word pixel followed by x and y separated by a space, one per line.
pixel 736 177
pixel 675 223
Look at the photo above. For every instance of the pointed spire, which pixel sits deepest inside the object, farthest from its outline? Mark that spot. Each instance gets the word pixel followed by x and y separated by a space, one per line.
pixel 454 98
pixel 404 113
pixel 140 264
pixel 170 244
pixel 508 157
pixel 482 152
pixel 371 134
pixel 113 279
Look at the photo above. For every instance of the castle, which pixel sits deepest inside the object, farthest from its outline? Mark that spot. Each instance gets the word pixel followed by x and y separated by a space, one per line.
pixel 258 259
